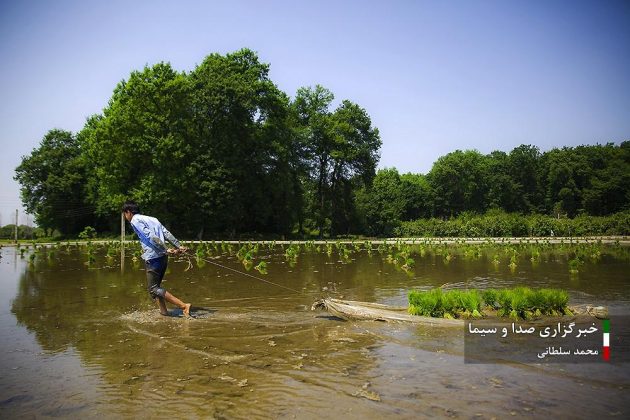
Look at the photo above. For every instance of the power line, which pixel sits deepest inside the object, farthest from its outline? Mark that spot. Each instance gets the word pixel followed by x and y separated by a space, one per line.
pixel 244 274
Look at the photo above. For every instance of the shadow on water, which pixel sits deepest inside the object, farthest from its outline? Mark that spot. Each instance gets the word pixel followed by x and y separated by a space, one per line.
pixel 254 350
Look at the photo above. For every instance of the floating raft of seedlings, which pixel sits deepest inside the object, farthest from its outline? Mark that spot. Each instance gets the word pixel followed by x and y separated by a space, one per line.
pixel 352 310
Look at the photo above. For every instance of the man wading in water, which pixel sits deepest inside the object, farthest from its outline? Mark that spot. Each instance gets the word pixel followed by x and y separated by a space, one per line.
pixel 155 254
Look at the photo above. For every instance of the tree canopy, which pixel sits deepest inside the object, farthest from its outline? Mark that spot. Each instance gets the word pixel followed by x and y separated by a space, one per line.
pixel 221 150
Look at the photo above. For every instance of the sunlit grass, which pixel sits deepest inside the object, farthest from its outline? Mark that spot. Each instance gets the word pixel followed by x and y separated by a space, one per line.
pixel 516 303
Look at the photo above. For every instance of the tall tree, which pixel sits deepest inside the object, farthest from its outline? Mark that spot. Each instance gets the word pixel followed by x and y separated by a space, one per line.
pixel 341 153
pixel 418 196
pixel 459 182
pixel 312 108
pixel 354 156
pixel 244 144
pixel 139 148
pixel 382 204
pixel 608 190
pixel 503 190
pixel 525 171
pixel 53 179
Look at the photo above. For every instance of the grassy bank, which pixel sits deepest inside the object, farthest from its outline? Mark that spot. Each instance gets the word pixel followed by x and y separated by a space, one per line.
pixel 499 224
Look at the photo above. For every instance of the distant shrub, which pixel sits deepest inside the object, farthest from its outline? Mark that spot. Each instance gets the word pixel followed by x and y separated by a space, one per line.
pixel 500 224
pixel 88 233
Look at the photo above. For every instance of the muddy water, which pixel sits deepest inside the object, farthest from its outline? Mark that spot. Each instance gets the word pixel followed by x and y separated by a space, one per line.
pixel 86 341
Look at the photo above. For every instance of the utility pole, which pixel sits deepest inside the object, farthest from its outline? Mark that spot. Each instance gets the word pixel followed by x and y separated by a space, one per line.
pixel 16 225
pixel 122 242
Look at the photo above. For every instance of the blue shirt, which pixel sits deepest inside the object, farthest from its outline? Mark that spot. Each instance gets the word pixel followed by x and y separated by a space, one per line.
pixel 152 235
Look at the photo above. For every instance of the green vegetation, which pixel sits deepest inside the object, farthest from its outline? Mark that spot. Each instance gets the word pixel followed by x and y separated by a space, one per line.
pixel 520 193
pixel 261 267
pixel 500 224
pixel 88 233
pixel 516 303
pixel 253 159
pixel 451 304
pixel 259 162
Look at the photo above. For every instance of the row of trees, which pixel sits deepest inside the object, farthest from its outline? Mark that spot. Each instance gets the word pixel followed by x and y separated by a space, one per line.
pixel 24 232
pixel 221 150
pixel 592 180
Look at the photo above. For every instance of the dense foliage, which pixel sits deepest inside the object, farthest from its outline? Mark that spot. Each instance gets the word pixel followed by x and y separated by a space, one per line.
pixel 559 184
pixel 499 224
pixel 221 150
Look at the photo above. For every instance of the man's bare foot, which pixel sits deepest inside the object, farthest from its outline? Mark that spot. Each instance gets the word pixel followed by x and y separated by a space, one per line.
pixel 164 313
pixel 187 310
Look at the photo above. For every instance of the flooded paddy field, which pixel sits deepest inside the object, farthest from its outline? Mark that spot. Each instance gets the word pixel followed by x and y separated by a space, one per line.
pixel 81 337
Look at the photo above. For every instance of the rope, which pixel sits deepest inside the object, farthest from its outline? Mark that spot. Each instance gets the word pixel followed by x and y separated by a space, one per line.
pixel 245 274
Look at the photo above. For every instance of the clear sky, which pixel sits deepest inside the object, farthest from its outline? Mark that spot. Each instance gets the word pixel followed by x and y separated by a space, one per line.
pixel 434 76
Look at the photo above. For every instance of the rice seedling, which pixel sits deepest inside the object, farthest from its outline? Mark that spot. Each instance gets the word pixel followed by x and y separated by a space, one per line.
pixel 111 252
pixel 261 267
pixel 200 252
pixel 248 264
pixel 517 303
pixel 409 264
pixel 91 259
pixel 574 265
pixel 291 254
pixel 450 304
pixel 426 303
pixel 201 263
pixel 345 255
pixel 490 296
pixel 535 252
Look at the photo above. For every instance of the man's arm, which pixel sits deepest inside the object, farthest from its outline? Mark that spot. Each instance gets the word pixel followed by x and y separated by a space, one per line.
pixel 169 237
pixel 172 239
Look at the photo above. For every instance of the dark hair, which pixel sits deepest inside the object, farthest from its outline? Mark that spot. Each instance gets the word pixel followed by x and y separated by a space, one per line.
pixel 131 206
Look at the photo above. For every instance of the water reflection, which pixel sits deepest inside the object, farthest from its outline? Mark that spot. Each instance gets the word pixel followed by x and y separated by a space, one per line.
pixel 256 350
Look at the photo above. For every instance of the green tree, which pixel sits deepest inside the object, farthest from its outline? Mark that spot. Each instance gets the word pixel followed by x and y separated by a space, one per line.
pixel 209 151
pixel 52 180
pixel 382 204
pixel 503 191
pixel 139 147
pixel 340 154
pixel 459 182
pixel 418 196
pixel 609 188
pixel 525 171
pixel 245 166
pixel 566 173
pixel 315 129
pixel 354 156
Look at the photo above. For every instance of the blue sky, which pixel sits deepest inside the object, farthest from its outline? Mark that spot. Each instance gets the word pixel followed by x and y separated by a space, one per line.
pixel 434 76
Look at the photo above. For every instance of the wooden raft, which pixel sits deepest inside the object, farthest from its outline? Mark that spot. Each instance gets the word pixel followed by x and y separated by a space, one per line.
pixel 353 310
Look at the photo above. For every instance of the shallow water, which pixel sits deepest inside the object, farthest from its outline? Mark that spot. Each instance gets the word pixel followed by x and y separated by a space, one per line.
pixel 87 341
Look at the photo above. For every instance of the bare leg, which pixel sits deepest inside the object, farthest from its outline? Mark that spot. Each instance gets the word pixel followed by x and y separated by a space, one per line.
pixel 162 305
pixel 175 301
